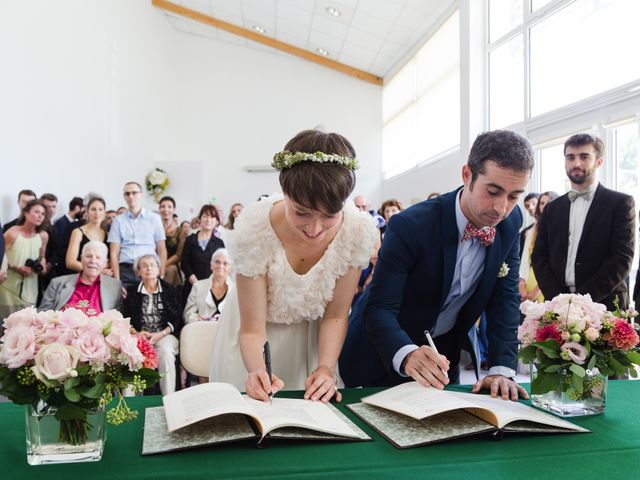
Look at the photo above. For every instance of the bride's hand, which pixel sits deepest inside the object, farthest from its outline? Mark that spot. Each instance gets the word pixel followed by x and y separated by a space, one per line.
pixel 321 385
pixel 258 386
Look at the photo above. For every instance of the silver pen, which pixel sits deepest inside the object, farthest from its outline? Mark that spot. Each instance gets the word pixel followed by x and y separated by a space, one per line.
pixel 433 346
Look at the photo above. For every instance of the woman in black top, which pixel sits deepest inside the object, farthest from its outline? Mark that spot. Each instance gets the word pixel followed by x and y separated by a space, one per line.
pixel 155 310
pixel 199 247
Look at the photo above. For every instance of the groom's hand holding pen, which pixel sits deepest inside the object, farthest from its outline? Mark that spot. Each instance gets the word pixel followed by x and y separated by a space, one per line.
pixel 426 366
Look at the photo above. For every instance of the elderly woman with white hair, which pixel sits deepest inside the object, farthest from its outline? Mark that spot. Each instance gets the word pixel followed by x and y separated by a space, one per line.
pixel 90 290
pixel 208 296
pixel 154 308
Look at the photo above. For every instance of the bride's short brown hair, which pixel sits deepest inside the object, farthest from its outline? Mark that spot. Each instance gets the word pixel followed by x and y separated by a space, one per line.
pixel 315 185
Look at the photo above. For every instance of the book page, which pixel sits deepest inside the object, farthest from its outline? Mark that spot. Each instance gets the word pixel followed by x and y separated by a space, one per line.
pixel 206 400
pixel 290 412
pixel 416 401
pixel 507 411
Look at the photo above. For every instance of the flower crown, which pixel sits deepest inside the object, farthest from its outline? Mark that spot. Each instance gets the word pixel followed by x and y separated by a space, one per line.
pixel 287 159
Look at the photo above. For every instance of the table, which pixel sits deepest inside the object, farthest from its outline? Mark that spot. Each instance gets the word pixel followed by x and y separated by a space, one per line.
pixel 613 449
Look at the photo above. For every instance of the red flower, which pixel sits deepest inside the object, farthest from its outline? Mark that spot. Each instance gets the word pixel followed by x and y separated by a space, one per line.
pixel 622 335
pixel 150 354
pixel 548 332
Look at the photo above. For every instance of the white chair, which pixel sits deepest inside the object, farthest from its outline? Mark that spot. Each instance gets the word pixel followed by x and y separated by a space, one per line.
pixel 196 347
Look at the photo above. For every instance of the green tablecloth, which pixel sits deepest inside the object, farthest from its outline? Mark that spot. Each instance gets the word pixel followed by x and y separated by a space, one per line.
pixel 613 449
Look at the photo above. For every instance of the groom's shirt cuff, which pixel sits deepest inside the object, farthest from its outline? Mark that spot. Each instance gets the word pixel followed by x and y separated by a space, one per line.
pixel 399 357
pixel 504 371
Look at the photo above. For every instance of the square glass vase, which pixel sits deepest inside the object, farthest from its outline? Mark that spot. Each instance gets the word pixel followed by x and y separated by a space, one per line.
pixel 566 401
pixel 49 441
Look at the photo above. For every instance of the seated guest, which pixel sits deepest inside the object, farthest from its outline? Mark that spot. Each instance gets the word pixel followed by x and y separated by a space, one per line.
pixel 198 248
pixel 236 208
pixel 93 230
pixel 208 296
pixel 154 308
pixel 89 290
pixel 174 241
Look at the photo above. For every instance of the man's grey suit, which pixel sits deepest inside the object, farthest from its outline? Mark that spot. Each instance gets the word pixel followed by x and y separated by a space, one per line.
pixel 61 288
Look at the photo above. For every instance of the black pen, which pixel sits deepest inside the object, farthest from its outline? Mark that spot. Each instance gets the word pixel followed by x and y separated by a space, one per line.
pixel 266 352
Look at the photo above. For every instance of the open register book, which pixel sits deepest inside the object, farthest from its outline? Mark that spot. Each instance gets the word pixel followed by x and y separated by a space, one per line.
pixel 212 413
pixel 410 415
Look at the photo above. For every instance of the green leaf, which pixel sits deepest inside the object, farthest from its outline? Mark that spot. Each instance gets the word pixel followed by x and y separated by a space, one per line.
pixel 633 357
pixel 71 382
pixel 545 382
pixel 577 370
pixel 578 381
pixel 527 354
pixel 95 391
pixel 617 367
pixel 72 395
pixel 554 368
pixel 592 362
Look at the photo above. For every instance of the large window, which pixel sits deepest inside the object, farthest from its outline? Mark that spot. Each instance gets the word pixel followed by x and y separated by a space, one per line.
pixel 546 55
pixel 421 103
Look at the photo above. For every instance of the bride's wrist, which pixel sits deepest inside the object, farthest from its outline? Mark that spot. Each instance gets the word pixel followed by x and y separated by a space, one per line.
pixel 331 371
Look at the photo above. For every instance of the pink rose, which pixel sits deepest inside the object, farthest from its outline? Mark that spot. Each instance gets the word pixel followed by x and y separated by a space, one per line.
pixel 55 362
pixel 19 346
pixel 25 317
pixel 527 331
pixel 532 310
pixel 91 344
pixel 592 334
pixel 576 352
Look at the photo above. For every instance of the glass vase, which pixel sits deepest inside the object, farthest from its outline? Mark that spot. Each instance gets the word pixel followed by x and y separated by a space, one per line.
pixel 566 401
pixel 50 440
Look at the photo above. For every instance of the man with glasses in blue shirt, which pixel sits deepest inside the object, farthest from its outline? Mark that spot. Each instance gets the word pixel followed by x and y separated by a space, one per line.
pixel 136 232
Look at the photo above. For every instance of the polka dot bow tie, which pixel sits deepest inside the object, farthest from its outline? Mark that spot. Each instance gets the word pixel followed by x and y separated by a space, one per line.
pixel 486 235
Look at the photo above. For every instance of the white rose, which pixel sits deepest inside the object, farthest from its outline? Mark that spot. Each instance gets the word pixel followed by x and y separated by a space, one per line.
pixel 55 362
pixel 157 178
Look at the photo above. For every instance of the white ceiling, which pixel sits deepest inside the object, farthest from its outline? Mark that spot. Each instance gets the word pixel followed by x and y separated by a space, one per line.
pixel 370 35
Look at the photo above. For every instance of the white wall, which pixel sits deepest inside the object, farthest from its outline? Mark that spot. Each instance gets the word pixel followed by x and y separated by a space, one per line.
pixel 95 93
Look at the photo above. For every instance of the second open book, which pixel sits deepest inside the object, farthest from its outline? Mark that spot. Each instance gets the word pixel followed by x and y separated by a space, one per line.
pixel 410 415
pixel 212 413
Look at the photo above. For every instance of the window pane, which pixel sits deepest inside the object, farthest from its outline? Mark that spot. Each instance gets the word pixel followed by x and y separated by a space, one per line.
pixel 399 143
pixel 438 114
pixel 627 139
pixel 399 92
pixel 504 15
pixel 584 49
pixel 439 56
pixel 553 176
pixel 506 84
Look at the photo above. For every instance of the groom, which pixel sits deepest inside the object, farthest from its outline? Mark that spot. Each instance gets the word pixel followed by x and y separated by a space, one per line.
pixel 442 263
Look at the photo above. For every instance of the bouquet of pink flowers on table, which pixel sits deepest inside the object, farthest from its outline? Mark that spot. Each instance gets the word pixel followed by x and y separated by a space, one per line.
pixel 74 363
pixel 571 335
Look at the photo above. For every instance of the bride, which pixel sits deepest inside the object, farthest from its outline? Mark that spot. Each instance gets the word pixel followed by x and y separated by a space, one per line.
pixel 298 258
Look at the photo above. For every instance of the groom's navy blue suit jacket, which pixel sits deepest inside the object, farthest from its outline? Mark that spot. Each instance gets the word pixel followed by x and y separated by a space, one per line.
pixel 411 281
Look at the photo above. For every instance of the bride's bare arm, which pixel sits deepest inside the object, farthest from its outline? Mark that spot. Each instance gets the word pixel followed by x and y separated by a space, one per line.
pixel 320 385
pixel 252 298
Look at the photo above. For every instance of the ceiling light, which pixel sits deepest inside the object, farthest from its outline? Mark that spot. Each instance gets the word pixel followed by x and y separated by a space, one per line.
pixel 334 11
pixel 322 52
pixel 259 29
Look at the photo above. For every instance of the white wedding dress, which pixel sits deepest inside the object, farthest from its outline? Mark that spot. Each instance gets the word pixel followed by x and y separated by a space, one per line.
pixel 295 303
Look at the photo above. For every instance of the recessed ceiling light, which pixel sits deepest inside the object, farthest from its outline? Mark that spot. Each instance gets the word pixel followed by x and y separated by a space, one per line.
pixel 259 29
pixel 334 11
pixel 322 52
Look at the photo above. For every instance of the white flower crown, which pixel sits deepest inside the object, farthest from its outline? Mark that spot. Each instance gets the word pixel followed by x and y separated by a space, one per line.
pixel 287 159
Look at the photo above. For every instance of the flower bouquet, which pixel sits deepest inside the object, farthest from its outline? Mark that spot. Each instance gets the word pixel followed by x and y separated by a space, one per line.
pixel 157 182
pixel 68 366
pixel 575 344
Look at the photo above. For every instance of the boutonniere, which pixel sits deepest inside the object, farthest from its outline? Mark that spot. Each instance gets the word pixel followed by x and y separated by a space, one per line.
pixel 504 270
